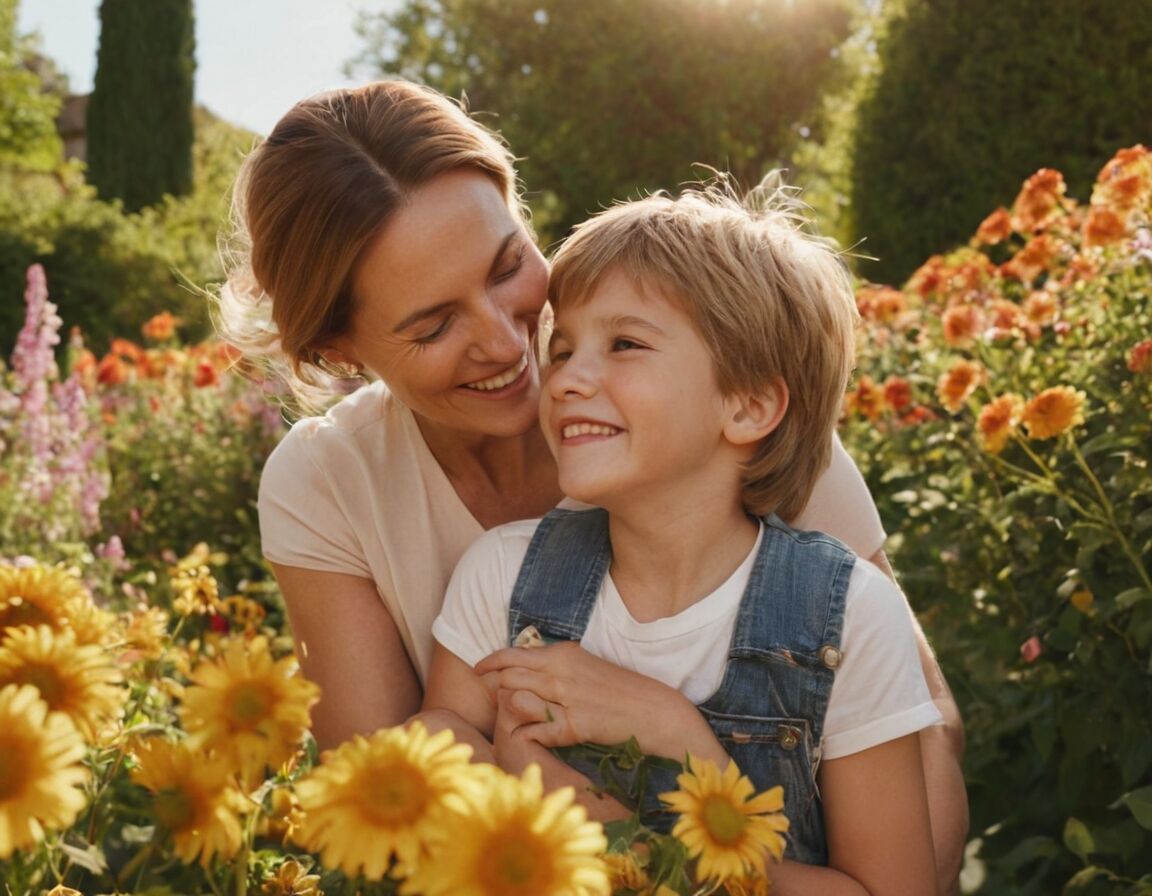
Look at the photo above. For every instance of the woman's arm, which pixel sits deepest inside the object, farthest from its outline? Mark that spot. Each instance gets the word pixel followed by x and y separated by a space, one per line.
pixel 876 818
pixel 348 644
pixel 942 753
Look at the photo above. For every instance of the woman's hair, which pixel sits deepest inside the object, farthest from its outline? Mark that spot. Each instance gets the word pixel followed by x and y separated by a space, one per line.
pixel 309 198
pixel 770 300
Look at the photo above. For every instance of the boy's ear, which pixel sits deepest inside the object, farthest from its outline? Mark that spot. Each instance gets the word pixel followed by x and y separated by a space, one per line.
pixel 756 414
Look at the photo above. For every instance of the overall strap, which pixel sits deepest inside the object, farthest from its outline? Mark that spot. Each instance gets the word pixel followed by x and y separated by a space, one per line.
pixel 560 577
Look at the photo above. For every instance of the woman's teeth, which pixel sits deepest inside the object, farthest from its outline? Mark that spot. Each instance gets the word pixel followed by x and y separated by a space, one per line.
pixel 501 380
pixel 587 429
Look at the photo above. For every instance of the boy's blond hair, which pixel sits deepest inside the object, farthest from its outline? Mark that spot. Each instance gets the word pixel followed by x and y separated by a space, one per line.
pixel 770 300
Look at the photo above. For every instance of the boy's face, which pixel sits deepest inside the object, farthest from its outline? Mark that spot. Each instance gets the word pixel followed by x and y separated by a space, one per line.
pixel 630 404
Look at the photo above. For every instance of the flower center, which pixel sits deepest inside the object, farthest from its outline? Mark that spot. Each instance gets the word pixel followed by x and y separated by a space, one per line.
pixel 514 862
pixel 250 704
pixel 18 611
pixel 46 680
pixel 13 768
pixel 398 796
pixel 724 821
pixel 173 809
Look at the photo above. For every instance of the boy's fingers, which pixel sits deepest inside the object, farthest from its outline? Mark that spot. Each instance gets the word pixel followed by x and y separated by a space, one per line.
pixel 512 657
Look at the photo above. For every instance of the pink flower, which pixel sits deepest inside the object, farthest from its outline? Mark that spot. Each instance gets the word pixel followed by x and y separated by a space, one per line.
pixel 1031 649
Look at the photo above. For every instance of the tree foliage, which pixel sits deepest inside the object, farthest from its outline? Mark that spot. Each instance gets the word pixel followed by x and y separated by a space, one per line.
pixel 28 111
pixel 609 98
pixel 973 96
pixel 140 129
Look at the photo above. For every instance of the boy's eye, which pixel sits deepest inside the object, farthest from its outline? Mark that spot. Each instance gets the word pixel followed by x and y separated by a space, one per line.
pixel 623 344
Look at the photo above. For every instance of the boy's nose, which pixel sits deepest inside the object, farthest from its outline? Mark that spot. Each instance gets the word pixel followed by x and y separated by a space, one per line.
pixel 572 379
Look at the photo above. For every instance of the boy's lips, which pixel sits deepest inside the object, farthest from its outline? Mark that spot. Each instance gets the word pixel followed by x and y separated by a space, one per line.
pixel 502 379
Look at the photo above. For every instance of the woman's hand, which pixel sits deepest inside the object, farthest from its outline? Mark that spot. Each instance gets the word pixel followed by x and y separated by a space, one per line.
pixel 561 695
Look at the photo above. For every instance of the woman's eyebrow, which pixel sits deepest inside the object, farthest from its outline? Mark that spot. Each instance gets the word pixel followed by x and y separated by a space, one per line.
pixel 439 308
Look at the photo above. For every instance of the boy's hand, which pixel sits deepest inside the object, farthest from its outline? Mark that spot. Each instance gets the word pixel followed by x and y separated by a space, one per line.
pixel 561 695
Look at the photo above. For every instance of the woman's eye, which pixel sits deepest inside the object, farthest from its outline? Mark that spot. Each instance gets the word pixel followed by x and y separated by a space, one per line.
pixel 435 334
pixel 510 271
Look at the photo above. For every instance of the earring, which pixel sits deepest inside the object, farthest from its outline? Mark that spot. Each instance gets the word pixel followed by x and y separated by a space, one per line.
pixel 340 370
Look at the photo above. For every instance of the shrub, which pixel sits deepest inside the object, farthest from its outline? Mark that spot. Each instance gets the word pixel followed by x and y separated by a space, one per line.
pixel 1003 417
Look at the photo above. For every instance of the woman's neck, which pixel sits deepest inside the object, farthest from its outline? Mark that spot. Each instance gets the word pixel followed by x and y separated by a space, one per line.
pixel 499 478
pixel 664 562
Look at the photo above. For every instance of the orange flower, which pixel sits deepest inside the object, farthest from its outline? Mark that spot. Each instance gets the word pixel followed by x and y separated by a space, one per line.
pixel 1103 228
pixel 111 371
pixel 1040 308
pixel 958 383
pixel 867 400
pixel 1032 260
pixel 962 323
pixel 1040 199
pixel 880 303
pixel 897 393
pixel 928 277
pixel 997 420
pixel 160 327
pixel 126 349
pixel 994 229
pixel 1140 358
pixel 205 374
pixel 1125 182
pixel 1054 411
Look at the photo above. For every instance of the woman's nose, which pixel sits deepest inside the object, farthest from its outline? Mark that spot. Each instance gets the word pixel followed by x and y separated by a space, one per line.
pixel 499 337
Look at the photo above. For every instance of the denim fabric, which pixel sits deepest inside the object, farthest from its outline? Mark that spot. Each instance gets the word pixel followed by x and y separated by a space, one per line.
pixel 769 709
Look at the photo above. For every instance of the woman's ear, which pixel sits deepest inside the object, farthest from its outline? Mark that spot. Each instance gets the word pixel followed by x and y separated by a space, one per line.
pixel 754 415
pixel 337 363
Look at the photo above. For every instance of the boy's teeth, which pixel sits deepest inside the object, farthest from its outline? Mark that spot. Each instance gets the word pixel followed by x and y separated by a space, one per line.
pixel 587 429
pixel 501 380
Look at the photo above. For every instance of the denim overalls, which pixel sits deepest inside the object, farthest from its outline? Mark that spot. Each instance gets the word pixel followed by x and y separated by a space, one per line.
pixel 769 709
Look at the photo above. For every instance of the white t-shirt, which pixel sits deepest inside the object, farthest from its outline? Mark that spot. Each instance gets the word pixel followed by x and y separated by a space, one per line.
pixel 357 491
pixel 878 694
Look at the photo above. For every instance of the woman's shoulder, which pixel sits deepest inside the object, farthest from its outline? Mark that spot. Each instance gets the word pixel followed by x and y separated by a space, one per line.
pixel 365 416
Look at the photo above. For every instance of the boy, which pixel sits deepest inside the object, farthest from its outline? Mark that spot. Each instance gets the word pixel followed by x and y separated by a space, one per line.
pixel 699 358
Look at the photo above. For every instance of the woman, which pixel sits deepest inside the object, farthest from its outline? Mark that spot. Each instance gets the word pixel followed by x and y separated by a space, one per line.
pixel 381 233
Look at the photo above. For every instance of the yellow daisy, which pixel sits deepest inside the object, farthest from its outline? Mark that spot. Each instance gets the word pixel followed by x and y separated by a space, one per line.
pixel 193 798
pixel 146 632
pixel 79 680
pixel 723 824
pixel 40 769
pixel 38 595
pixel 1053 412
pixel 376 797
pixel 248 706
pixel 509 839
pixel 625 872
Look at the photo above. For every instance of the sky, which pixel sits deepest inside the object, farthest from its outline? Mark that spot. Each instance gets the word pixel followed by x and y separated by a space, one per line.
pixel 254 58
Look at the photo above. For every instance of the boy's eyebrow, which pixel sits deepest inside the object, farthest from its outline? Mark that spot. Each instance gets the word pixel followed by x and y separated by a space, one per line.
pixel 626 321
pixel 440 307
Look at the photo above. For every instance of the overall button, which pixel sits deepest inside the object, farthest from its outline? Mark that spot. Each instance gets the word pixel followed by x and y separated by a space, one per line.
pixel 830 656
pixel 789 738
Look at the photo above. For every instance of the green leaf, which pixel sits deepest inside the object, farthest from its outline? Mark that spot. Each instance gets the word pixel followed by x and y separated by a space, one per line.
pixel 1139 803
pixel 1085 876
pixel 1078 839
pixel 1131 597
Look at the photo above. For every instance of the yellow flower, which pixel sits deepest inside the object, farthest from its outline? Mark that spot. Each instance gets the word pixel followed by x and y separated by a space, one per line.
pixel 997 420
pixel 291 879
pixel 509 839
pixel 958 383
pixel 282 818
pixel 624 871
pixel 723 824
pixel 193 798
pixel 1083 599
pixel 197 592
pixel 248 706
pixel 375 797
pixel 1053 412
pixel 146 631
pixel 40 769
pixel 38 595
pixel 748 886
pixel 78 680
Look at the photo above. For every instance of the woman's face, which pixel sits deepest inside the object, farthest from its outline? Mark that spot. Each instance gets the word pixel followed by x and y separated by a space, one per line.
pixel 446 302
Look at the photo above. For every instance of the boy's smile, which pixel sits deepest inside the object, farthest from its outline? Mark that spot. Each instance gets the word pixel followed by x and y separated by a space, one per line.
pixel 631 406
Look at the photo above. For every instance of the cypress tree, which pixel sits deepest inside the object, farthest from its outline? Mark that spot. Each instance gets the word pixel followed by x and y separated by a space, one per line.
pixel 140 130
pixel 973 96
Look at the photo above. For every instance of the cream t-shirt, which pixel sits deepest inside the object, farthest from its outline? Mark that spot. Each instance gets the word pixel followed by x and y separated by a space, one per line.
pixel 878 694
pixel 357 491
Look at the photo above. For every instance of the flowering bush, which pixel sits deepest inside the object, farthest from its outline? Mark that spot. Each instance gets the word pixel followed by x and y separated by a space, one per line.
pixel 1003 418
